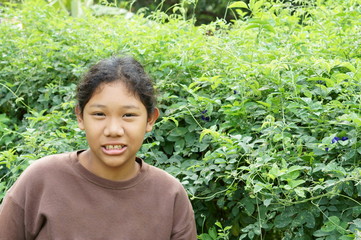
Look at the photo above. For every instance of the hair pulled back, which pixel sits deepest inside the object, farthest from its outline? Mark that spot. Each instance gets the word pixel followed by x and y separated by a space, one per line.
pixel 124 69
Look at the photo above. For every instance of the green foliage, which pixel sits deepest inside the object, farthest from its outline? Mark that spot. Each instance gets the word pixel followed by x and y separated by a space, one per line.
pixel 201 11
pixel 213 234
pixel 260 118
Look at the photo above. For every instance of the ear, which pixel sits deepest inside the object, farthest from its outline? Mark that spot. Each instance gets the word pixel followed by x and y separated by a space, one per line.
pixel 79 118
pixel 152 119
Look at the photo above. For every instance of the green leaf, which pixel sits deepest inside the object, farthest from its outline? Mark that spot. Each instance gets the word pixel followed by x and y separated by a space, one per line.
pixel 213 233
pixel 218 224
pixel 300 192
pixel 258 187
pixel 320 233
pixel 256 6
pixel 278 137
pixel 295 183
pixel 238 4
pixel 340 77
pixel 248 206
pixel 205 236
pixel 310 219
pixel 290 175
pixel 357 223
pixel 332 223
pixel 275 172
pixel 348 188
pixel 347 237
pixel 251 26
pixel 304 218
pixel 267 202
pixel 282 221
pixel 269 28
pixel 348 65
pixel 171 119
pixel 329 82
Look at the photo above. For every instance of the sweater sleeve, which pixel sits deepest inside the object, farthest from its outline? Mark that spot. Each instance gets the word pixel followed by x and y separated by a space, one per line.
pixel 184 227
pixel 19 218
pixel 11 220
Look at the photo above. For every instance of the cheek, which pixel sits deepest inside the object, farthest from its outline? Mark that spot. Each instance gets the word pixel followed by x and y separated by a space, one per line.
pixel 87 126
pixel 91 138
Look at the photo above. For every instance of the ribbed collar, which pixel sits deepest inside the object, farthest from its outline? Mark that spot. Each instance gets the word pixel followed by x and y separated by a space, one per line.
pixel 105 183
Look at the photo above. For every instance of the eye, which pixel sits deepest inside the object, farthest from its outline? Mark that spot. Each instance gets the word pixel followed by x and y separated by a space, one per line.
pixel 127 115
pixel 98 114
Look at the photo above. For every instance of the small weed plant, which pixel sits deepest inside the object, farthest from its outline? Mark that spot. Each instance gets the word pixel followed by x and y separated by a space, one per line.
pixel 261 117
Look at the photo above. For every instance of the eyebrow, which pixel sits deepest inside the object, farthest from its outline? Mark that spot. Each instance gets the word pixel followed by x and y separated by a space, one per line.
pixel 95 105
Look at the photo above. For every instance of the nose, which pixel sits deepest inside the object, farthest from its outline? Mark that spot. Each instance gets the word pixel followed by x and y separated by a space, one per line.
pixel 114 128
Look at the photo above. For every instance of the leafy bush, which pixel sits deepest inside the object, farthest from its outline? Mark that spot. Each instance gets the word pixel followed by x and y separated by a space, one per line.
pixel 260 118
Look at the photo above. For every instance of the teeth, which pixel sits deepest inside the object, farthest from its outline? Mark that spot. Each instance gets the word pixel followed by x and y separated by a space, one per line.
pixel 111 147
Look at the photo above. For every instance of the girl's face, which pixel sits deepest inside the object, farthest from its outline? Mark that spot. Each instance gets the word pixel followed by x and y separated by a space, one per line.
pixel 115 122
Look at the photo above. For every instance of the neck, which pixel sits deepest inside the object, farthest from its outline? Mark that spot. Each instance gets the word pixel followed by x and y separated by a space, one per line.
pixel 118 173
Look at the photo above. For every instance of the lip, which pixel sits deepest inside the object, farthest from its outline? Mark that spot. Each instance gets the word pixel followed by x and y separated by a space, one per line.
pixel 114 152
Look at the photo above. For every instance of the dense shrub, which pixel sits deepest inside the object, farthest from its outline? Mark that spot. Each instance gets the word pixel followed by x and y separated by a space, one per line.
pixel 261 119
pixel 203 11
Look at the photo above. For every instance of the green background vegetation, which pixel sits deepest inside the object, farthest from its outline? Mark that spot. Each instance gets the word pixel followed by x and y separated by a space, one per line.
pixel 261 116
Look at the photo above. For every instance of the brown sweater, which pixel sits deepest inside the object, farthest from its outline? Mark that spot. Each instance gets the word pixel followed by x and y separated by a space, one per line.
pixel 57 198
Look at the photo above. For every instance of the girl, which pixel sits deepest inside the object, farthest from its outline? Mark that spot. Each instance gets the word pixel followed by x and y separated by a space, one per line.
pixel 104 192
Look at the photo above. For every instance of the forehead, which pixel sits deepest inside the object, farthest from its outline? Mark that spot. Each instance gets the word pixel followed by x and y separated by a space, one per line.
pixel 116 91
pixel 114 84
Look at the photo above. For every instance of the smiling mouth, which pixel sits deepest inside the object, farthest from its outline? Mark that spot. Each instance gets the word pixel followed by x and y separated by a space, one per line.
pixel 114 150
pixel 113 147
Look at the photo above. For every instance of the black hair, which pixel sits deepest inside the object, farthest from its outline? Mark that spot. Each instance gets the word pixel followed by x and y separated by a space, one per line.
pixel 124 69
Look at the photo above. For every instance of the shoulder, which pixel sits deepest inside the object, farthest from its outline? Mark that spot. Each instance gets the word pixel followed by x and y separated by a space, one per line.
pixel 159 181
pixel 39 176
pixel 171 191
pixel 162 176
pixel 40 170
pixel 56 159
pixel 48 164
